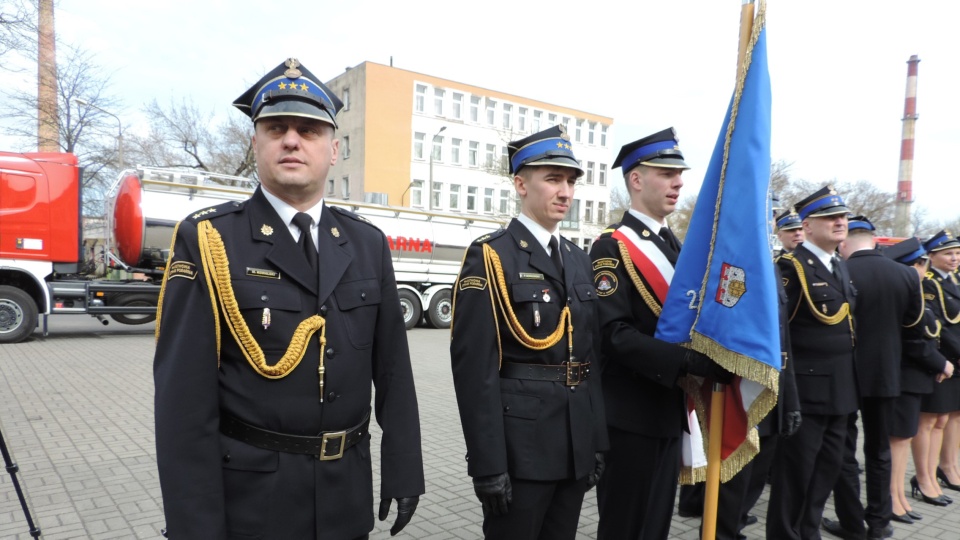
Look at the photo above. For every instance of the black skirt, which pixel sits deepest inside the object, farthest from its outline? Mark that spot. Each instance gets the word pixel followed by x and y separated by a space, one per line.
pixel 906 415
pixel 944 399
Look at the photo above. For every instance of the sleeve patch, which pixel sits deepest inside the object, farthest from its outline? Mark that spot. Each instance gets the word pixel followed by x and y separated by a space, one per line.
pixel 605 282
pixel 605 263
pixel 182 269
pixel 473 282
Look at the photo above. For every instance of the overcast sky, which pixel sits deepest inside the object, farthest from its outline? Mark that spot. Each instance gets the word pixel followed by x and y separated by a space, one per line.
pixel 838 69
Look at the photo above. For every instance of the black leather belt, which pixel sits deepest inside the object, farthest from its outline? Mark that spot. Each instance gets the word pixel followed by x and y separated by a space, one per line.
pixel 568 373
pixel 327 446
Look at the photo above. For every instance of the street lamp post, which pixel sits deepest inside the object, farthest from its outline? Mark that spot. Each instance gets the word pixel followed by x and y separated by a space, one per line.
pixel 433 144
pixel 83 103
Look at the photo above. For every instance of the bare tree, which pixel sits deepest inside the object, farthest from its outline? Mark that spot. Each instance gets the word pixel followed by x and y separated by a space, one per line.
pixel 18 29
pixel 619 203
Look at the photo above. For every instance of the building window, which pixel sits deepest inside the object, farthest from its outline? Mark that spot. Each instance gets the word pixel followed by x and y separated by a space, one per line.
pixel 331 186
pixel 603 136
pixel 551 120
pixel 421 97
pixel 474 109
pixel 457 106
pixel 589 176
pixel 504 158
pixel 586 244
pixel 576 136
pixel 601 213
pixel 471 198
pixel 491 111
pixel 488 161
pixel 472 153
pixel 455 196
pixel 345 98
pixel 504 201
pixel 345 187
pixel 507 114
pixel 572 219
pixel 593 129
pixel 602 180
pixel 416 194
pixel 437 148
pixel 455 151
pixel 437 194
pixel 345 147
pixel 522 119
pixel 588 212
pixel 438 101
pixel 537 115
pixel 418 145
pixel 487 200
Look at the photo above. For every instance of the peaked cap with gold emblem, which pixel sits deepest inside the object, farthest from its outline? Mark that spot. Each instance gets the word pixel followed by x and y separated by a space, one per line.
pixel 941 241
pixel 825 202
pixel 662 149
pixel 549 147
pixel 290 90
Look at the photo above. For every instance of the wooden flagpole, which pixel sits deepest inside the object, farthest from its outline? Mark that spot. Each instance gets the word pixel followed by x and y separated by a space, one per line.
pixel 717 398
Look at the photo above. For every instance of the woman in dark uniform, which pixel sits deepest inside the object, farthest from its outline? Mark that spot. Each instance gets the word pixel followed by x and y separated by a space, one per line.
pixel 941 293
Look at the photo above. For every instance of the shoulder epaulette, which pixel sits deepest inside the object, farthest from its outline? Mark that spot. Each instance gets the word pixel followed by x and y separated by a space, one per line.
pixel 351 215
pixel 788 256
pixel 928 275
pixel 214 211
pixel 609 230
pixel 490 236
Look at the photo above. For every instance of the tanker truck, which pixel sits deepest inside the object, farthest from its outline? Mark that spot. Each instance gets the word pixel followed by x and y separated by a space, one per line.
pixel 48 267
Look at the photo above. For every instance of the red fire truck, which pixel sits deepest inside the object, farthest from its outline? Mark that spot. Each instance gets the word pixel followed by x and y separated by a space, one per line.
pixel 47 266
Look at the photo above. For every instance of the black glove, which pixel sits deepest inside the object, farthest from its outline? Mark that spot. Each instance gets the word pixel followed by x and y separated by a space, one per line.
pixel 594 476
pixel 406 506
pixel 791 423
pixel 495 493
pixel 699 364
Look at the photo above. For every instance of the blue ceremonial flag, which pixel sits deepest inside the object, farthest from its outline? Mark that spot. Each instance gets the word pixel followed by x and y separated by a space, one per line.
pixel 723 299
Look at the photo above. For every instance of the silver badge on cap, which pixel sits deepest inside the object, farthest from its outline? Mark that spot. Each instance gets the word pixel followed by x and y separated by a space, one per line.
pixel 292 72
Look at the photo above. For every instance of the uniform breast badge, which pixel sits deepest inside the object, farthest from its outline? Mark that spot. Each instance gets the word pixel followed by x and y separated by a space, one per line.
pixel 546 295
pixel 265 318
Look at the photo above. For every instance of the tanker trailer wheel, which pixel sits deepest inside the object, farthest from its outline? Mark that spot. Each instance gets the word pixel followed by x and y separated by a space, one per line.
pixel 134 300
pixel 18 315
pixel 441 309
pixel 410 304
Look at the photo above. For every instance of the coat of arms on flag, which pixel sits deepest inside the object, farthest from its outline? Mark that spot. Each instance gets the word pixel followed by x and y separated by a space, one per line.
pixel 733 285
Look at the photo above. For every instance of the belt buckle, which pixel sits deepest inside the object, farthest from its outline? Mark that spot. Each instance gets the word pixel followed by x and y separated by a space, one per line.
pixel 573 373
pixel 342 435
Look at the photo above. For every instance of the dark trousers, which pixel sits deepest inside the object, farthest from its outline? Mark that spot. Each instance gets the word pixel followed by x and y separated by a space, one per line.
pixel 759 470
pixel 539 511
pixel 806 471
pixel 875 414
pixel 636 492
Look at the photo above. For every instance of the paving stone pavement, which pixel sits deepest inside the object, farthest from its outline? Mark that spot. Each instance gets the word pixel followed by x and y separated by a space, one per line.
pixel 76 410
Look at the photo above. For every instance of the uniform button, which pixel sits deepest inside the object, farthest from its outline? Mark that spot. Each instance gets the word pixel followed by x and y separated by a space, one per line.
pixel 363 296
pixel 226 458
pixel 506 408
pixel 330 352
pixel 264 298
pixel 573 388
pixel 810 370
pixel 323 310
pixel 569 299
pixel 236 203
pixel 332 396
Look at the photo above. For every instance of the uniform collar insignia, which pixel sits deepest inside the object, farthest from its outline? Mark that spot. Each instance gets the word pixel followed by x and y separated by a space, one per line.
pixel 266 230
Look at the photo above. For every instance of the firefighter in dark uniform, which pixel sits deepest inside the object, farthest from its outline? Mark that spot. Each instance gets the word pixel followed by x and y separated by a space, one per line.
pixel 888 300
pixel 524 356
pixel 275 315
pixel 789 231
pixel 645 407
pixel 820 301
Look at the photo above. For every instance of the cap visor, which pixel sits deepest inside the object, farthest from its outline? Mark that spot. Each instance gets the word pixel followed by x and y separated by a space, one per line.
pixel 291 107
pixel 671 163
pixel 557 161
pixel 830 211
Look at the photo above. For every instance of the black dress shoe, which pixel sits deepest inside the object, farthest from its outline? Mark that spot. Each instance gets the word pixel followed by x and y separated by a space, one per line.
pixel 834 528
pixel 902 518
pixel 684 513
pixel 879 534
pixel 751 519
pixel 914 516
pixel 944 481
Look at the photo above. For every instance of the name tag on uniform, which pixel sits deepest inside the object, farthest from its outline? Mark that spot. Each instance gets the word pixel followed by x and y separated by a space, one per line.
pixel 531 275
pixel 260 272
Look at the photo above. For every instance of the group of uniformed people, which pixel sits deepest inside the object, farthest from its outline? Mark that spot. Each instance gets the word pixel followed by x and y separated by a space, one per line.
pixel 278 312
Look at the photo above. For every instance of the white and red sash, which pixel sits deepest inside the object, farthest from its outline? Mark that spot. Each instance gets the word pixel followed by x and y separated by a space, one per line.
pixel 649 260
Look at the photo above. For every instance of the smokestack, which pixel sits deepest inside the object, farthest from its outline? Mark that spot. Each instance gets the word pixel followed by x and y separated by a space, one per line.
pixel 905 178
pixel 48 125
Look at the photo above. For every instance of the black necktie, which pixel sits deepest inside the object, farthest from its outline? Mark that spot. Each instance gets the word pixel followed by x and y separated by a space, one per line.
pixel 835 261
pixel 307 246
pixel 555 253
pixel 668 238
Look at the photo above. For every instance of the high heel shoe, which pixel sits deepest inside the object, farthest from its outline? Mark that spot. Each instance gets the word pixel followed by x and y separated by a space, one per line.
pixel 914 516
pixel 902 518
pixel 944 481
pixel 915 488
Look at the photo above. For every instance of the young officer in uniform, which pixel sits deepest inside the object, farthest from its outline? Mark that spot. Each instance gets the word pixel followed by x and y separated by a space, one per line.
pixel 789 231
pixel 633 263
pixel 888 300
pixel 524 353
pixel 820 301
pixel 276 314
